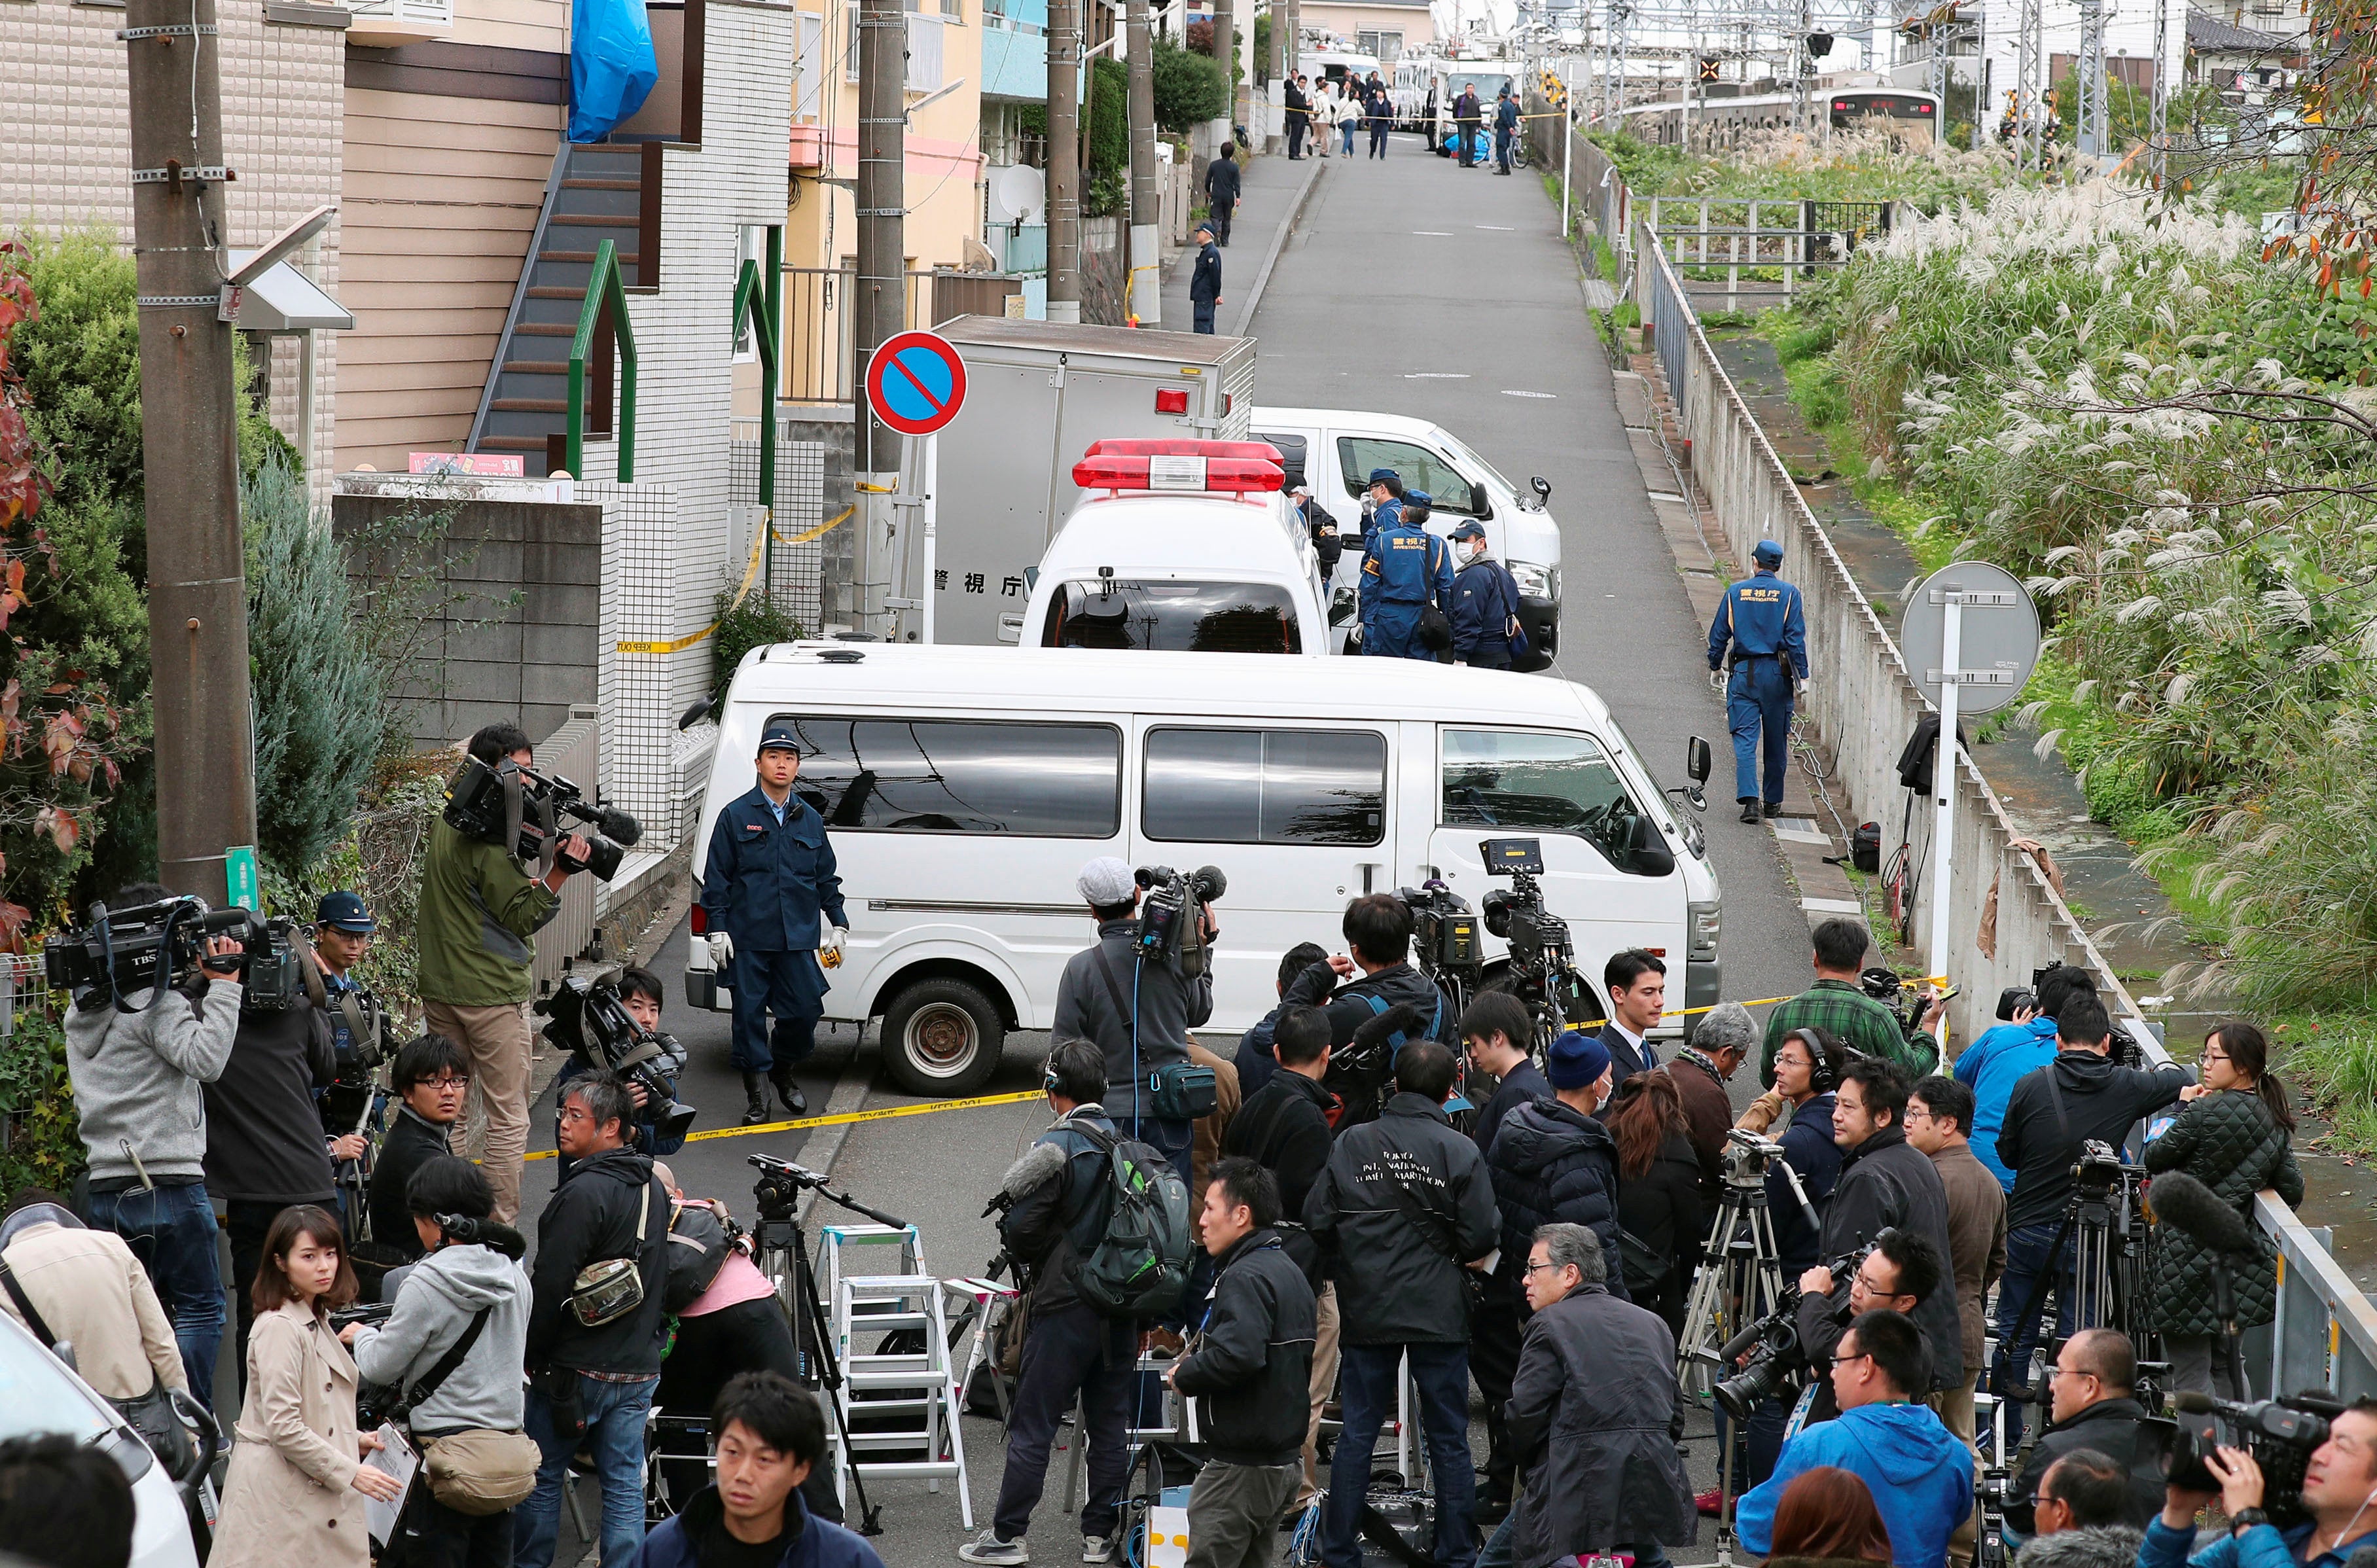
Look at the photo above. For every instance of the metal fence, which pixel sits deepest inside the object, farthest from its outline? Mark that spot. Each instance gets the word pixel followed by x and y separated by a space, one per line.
pixel 1773 245
pixel 1861 705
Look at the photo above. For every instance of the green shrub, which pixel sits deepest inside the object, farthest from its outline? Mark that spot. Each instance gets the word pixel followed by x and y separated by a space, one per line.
pixel 1189 88
pixel 757 622
pixel 1109 116
pixel 39 1142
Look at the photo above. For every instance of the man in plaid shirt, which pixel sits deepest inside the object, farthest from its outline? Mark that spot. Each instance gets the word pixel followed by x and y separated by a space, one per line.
pixel 1835 1004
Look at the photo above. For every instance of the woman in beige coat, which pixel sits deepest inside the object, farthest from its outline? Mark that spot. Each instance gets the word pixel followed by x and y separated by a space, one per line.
pixel 296 1489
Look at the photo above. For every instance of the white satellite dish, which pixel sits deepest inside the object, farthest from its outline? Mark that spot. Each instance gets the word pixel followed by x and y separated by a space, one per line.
pixel 1018 195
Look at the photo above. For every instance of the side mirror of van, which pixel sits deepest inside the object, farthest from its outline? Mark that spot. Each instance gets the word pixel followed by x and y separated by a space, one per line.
pixel 693 714
pixel 1697 759
pixel 1543 489
pixel 1343 607
pixel 1480 506
pixel 1650 854
pixel 1030 579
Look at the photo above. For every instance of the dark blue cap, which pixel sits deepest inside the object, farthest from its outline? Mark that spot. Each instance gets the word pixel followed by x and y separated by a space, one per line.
pixel 1473 529
pixel 1419 498
pixel 779 737
pixel 1768 553
pixel 1378 475
pixel 345 911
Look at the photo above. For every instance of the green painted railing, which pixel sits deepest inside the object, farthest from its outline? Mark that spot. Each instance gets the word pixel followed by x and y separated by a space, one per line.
pixel 603 292
pixel 759 301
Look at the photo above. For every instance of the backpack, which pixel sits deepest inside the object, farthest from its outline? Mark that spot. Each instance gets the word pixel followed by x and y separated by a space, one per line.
pixel 1139 1267
pixel 698 1243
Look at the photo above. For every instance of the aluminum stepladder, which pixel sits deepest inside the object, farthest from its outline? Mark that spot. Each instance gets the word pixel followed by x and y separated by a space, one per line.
pixel 911 1404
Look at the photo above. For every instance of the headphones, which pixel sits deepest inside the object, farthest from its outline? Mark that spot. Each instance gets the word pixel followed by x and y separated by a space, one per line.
pixel 1823 1077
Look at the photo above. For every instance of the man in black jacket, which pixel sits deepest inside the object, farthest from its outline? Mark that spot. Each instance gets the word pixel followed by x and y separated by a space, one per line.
pixel 431 1077
pixel 1222 191
pixel 2094 1404
pixel 1060 1192
pixel 1249 1366
pixel 1284 1126
pixel 1498 1031
pixel 1898 1276
pixel 592 1387
pixel 1402 1211
pixel 2079 1097
pixel 1380 975
pixel 1300 117
pixel 1887 1184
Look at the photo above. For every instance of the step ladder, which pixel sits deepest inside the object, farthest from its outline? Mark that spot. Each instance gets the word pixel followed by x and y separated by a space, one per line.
pixel 876 1283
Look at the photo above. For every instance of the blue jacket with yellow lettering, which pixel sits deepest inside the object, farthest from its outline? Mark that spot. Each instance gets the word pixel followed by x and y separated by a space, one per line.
pixel 1761 617
pixel 1405 564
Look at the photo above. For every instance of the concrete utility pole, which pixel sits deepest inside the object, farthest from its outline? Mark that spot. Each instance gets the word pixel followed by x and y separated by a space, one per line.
pixel 1225 55
pixel 1146 278
pixel 881 308
pixel 2089 119
pixel 189 446
pixel 1064 159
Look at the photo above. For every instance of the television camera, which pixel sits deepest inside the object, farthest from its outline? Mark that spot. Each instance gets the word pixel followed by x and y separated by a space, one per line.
pixel 1777 1357
pixel 1543 955
pixel 1172 916
pixel 521 810
pixel 148 946
pixel 590 1022
pixel 2281 1434
pixel 1444 934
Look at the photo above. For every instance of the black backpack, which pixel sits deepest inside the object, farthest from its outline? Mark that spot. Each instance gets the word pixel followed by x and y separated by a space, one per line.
pixel 698 1242
pixel 1139 1267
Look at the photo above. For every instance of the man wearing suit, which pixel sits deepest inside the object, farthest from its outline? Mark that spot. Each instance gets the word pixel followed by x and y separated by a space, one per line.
pixel 1205 283
pixel 1299 116
pixel 1637 982
pixel 1222 192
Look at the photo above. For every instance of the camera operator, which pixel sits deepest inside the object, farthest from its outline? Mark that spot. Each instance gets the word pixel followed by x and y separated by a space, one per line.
pixel 480 912
pixel 1499 1034
pixel 2339 1491
pixel 468 1299
pixel 2235 1136
pixel 431 1077
pixel 1902 1273
pixel 1378 976
pixel 1255 1059
pixel 2002 1057
pixel 137 1073
pixel 2093 1405
pixel 1137 1011
pixel 1837 1003
pixel 1886 1183
pixel 640 994
pixel 361 1038
pixel 2082 1096
pixel 1060 1201
pixel 1702 1068
pixel 1938 1111
pixel 1922 1478
pixel 1403 1212
pixel 594 1326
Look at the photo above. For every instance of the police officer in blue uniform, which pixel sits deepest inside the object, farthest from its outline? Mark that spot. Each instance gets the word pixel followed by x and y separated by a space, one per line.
pixel 1762 619
pixel 773 901
pixel 1404 569
pixel 1384 504
pixel 1204 283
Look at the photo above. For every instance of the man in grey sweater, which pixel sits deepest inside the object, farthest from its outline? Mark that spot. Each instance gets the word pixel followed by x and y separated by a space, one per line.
pixel 441 1298
pixel 137 1071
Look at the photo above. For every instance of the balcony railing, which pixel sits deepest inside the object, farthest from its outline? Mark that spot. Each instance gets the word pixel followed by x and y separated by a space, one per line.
pixel 411 13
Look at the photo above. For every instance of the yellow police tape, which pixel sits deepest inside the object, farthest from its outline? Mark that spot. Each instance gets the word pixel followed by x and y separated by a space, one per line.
pixel 1770 1001
pixel 933 1108
pixel 750 575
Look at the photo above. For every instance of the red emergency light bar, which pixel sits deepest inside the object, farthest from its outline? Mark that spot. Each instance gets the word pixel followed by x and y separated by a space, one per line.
pixel 1228 467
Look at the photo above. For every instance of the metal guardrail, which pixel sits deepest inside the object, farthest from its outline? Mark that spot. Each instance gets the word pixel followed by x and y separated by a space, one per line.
pixel 606 304
pixel 1862 705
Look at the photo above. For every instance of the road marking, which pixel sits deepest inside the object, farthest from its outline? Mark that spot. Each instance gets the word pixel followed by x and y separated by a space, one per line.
pixel 1499 228
pixel 1514 392
pixel 1832 906
pixel 1434 234
pixel 1436 375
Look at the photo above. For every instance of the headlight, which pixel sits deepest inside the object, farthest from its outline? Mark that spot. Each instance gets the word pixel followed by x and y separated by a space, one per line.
pixel 1537 581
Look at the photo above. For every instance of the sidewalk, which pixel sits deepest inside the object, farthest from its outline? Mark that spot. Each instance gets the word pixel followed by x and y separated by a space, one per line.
pixel 1273 192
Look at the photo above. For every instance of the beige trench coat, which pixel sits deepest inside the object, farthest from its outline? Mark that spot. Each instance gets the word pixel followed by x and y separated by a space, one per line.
pixel 290 1497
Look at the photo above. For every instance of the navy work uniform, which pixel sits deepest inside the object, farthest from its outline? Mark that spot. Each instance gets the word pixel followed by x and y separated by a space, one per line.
pixel 1485 605
pixel 1404 569
pixel 1205 283
pixel 1761 617
pixel 771 886
pixel 1376 513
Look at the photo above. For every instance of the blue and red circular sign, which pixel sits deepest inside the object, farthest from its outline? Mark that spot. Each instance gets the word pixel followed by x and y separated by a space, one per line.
pixel 915 382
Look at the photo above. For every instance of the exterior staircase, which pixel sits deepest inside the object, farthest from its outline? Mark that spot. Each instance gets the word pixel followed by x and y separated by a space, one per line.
pixel 596 193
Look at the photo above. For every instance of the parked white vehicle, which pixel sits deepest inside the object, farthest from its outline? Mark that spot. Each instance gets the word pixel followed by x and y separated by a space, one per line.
pixel 1334 451
pixel 963 792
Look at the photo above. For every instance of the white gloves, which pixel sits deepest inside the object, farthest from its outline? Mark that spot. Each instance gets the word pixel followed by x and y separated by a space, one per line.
pixel 1716 680
pixel 722 948
pixel 835 937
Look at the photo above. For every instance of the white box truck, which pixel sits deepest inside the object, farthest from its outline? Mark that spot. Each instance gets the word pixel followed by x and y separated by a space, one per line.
pixel 1037 394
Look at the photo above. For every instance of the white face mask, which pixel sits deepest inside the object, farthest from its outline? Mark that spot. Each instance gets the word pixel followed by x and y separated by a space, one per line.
pixel 1472 550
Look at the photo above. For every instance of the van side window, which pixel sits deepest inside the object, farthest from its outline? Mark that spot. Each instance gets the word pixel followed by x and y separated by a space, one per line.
pixel 1265 786
pixel 958 776
pixel 1520 781
pixel 1418 468
pixel 1291 453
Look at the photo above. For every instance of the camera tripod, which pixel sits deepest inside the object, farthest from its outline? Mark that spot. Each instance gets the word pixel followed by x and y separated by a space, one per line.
pixel 2104 1285
pixel 784 1259
pixel 1741 1269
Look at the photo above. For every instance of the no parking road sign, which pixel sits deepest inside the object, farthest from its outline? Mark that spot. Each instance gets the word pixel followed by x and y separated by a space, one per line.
pixel 915 382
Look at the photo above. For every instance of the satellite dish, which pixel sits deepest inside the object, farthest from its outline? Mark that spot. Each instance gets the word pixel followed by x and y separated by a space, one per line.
pixel 1018 195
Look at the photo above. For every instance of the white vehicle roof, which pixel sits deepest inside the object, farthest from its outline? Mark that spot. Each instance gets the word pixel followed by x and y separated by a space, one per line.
pixel 1174 536
pixel 1336 418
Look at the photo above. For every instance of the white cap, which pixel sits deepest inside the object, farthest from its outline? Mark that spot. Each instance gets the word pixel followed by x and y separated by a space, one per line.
pixel 1106 881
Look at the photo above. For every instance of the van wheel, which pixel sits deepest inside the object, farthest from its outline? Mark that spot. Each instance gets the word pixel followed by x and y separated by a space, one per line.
pixel 942 1037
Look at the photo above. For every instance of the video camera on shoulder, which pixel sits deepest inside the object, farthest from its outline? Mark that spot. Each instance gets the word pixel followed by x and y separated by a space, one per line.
pixel 522 811
pixel 588 1019
pixel 2281 1434
pixel 150 946
pixel 1172 914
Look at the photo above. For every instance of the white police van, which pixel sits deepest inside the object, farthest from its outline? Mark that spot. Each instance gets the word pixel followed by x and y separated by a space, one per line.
pixel 964 790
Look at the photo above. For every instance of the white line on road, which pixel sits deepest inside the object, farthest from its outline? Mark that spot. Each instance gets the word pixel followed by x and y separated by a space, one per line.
pixel 1499 228
pixel 1434 234
pixel 1436 375
pixel 1514 392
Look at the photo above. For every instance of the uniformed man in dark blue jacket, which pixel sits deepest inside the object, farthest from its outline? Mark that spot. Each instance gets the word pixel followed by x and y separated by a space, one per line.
pixel 1762 619
pixel 1404 569
pixel 1205 283
pixel 774 900
pixel 1484 603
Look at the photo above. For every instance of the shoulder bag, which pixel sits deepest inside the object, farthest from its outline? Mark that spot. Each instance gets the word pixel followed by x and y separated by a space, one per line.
pixel 610 1288
pixel 478 1470
pixel 152 1414
pixel 1179 1091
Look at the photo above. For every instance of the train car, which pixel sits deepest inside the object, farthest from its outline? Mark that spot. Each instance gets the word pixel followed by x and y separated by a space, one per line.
pixel 1720 123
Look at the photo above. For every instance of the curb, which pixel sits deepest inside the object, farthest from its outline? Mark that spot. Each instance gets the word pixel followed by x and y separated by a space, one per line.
pixel 1279 243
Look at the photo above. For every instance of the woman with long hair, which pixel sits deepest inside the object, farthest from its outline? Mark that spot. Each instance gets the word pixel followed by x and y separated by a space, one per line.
pixel 1826 1518
pixel 1661 1220
pixel 2235 1135
pixel 296 1489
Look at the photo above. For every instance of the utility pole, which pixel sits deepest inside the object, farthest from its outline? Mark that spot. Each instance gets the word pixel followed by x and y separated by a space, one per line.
pixel 1146 302
pixel 2030 137
pixel 1225 55
pixel 2090 118
pixel 189 446
pixel 881 308
pixel 1064 159
pixel 2158 114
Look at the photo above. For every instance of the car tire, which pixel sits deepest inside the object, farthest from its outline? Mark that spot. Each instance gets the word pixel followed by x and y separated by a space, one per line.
pixel 942 1037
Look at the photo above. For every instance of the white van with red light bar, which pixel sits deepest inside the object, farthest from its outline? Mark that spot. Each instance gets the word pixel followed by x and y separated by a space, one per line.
pixel 1335 449
pixel 1188 545
pixel 964 799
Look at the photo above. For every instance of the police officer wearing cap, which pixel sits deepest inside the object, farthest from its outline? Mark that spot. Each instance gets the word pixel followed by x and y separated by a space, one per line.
pixel 1761 618
pixel 1404 570
pixel 361 1037
pixel 1484 603
pixel 772 899
pixel 1383 504
pixel 1206 281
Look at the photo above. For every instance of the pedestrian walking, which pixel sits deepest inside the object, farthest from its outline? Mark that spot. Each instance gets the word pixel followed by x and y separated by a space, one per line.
pixel 1381 109
pixel 1506 129
pixel 1206 281
pixel 1222 186
pixel 1759 633
pixel 1467 115
pixel 772 898
pixel 1406 573
pixel 1486 631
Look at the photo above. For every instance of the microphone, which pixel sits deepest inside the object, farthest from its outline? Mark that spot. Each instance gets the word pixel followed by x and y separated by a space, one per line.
pixel 2187 1402
pixel 2188 1206
pixel 1038 1165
